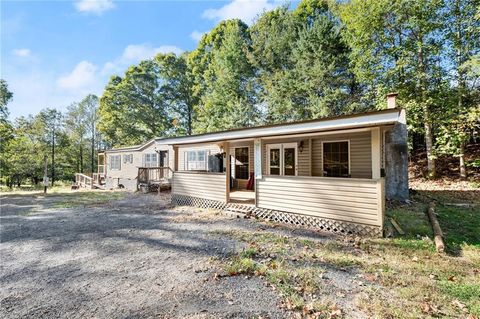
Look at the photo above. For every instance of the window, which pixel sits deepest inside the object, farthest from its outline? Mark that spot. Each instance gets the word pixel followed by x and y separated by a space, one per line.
pixel 282 159
pixel 196 160
pixel 115 162
pixel 336 162
pixel 241 163
pixel 150 160
pixel 128 158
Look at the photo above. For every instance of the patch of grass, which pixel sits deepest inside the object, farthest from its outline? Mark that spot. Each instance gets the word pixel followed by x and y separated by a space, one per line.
pixel 241 265
pixel 86 198
pixel 461 226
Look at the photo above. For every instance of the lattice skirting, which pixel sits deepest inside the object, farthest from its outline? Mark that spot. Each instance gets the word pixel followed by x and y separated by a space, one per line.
pixel 182 200
pixel 324 224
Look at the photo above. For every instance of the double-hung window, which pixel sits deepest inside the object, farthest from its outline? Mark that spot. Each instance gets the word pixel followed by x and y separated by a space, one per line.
pixel 336 159
pixel 150 160
pixel 115 162
pixel 282 159
pixel 196 160
pixel 128 158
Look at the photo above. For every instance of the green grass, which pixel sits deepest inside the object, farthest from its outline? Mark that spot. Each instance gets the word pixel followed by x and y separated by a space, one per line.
pixel 86 198
pixel 410 273
pixel 461 226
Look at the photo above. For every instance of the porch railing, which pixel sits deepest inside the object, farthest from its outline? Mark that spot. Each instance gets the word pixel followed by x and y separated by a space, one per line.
pixel 98 178
pixel 148 175
pixel 83 180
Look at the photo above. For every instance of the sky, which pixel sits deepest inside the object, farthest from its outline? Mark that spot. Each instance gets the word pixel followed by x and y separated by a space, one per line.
pixel 54 53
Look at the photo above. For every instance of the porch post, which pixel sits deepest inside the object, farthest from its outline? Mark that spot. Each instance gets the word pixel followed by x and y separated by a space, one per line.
pixel 226 148
pixel 376 153
pixel 257 158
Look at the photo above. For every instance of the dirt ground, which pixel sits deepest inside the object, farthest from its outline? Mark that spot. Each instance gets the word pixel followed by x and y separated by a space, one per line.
pixel 130 257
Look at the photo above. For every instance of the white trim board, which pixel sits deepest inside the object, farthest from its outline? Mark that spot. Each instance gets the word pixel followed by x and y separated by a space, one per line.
pixel 360 121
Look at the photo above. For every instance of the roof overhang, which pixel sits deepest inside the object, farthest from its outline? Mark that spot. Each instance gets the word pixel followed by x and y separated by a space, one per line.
pixel 377 118
pixel 130 148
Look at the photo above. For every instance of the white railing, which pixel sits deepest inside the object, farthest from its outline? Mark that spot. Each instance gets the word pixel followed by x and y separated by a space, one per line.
pixel 83 180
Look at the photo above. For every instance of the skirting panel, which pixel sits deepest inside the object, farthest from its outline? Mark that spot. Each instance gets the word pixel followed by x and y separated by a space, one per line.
pixel 324 224
pixel 330 225
pixel 182 200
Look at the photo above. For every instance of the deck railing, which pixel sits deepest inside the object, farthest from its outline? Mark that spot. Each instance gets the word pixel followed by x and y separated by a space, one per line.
pixel 83 180
pixel 148 175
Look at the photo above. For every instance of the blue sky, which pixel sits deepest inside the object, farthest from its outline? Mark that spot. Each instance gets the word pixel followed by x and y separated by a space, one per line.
pixel 55 52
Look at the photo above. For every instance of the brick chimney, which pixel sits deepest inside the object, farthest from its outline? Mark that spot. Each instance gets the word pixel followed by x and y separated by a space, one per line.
pixel 392 100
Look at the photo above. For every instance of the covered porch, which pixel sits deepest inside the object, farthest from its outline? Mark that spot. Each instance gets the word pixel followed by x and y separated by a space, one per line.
pixel 314 173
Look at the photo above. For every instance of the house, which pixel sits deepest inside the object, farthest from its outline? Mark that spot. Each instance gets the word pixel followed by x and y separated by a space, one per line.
pixel 332 173
pixel 130 167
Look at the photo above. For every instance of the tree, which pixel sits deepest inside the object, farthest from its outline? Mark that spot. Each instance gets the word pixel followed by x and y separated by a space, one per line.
pixel 5 97
pixel 76 127
pixel 462 32
pixel 223 77
pixel 396 45
pixel 89 107
pixel 177 88
pixel 50 122
pixel 131 109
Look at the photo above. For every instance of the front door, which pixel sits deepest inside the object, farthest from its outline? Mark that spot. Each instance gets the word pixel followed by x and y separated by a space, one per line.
pixel 163 158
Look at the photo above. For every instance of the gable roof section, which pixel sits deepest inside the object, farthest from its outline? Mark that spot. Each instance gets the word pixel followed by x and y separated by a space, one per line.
pixel 368 119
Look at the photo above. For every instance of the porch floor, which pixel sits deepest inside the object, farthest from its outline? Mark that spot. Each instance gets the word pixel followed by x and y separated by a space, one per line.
pixel 242 197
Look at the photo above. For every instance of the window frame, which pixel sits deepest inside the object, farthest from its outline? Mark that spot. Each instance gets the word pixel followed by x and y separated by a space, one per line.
pixel 282 146
pixel 111 157
pixel 349 154
pixel 186 159
pixel 128 158
pixel 149 161
pixel 235 164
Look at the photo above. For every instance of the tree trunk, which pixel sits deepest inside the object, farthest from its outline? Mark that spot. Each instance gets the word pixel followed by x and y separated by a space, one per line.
pixel 463 169
pixel 53 156
pixel 426 112
pixel 93 152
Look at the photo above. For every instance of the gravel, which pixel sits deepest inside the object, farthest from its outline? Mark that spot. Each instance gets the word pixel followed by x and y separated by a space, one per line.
pixel 131 258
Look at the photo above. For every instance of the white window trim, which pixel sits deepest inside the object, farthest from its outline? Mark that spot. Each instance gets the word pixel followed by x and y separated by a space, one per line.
pixel 145 159
pixel 119 162
pixel 349 153
pixel 281 146
pixel 235 160
pixel 185 156
pixel 127 158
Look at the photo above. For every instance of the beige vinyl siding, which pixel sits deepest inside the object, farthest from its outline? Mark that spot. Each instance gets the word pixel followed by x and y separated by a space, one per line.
pixel 210 148
pixel 360 153
pixel 210 186
pixel 130 170
pixel 350 200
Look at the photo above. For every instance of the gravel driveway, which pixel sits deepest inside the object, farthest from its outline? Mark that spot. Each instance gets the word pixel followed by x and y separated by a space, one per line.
pixel 129 258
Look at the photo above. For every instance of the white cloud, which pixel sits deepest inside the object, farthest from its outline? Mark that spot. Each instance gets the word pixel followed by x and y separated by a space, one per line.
pixel 246 10
pixel 82 77
pixel 135 53
pixel 23 53
pixel 94 6
pixel 196 35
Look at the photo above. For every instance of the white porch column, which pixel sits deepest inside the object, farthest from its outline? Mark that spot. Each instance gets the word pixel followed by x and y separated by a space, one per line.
pixel 376 152
pixel 226 148
pixel 257 157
